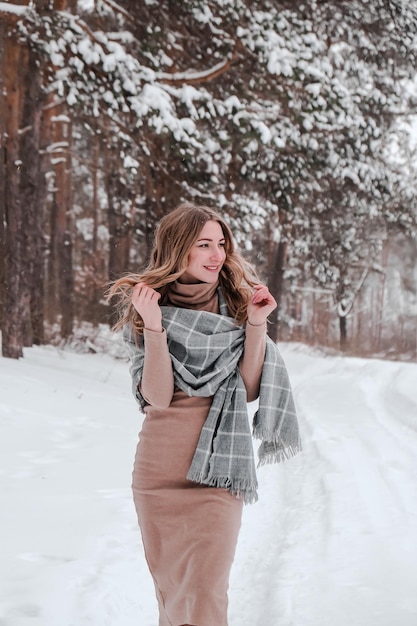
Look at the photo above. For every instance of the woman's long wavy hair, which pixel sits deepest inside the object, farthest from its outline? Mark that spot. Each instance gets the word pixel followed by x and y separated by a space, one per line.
pixel 175 235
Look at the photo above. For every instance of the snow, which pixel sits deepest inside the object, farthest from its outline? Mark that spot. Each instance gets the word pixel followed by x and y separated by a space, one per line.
pixel 7 7
pixel 331 542
pixel 191 75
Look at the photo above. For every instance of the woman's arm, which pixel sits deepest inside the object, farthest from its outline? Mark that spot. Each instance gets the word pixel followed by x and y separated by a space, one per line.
pixel 157 384
pixel 252 361
pixel 260 306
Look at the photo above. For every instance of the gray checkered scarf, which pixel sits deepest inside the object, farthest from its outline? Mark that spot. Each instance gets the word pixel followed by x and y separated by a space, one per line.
pixel 205 350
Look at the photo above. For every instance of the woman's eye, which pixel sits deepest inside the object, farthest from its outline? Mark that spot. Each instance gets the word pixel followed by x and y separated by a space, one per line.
pixel 206 245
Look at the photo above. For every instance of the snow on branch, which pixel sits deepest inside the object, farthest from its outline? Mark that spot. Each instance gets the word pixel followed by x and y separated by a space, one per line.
pixel 118 9
pixel 13 9
pixel 190 77
pixel 58 146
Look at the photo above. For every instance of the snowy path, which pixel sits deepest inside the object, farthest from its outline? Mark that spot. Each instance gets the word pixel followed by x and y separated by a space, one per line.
pixel 339 524
pixel 331 542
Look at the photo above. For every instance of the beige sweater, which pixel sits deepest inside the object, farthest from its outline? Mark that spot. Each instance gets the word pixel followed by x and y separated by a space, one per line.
pixel 157 385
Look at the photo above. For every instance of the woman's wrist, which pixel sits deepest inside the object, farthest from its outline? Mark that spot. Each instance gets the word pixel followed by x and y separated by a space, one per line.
pixel 256 323
pixel 153 323
pixel 154 330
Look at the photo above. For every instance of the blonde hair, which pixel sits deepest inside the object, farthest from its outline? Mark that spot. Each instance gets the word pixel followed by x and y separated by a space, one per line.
pixel 175 235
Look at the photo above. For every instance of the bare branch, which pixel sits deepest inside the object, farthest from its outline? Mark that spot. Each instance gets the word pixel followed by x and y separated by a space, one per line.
pixel 118 9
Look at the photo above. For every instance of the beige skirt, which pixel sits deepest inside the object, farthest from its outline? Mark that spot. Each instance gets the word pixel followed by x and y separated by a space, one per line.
pixel 189 531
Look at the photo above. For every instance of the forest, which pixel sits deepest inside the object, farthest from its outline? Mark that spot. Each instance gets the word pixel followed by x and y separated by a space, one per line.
pixel 296 120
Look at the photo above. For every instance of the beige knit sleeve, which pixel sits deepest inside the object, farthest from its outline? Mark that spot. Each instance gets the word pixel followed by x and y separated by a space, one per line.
pixel 157 384
pixel 252 360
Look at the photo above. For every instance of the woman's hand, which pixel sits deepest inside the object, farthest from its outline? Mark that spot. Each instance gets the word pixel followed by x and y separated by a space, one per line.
pixel 260 305
pixel 146 302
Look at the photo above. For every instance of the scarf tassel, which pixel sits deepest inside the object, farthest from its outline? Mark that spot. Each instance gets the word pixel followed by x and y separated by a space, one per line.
pixel 277 456
pixel 243 488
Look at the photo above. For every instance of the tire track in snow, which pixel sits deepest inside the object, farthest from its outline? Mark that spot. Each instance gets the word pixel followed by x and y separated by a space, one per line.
pixel 330 540
pixel 395 417
pixel 283 535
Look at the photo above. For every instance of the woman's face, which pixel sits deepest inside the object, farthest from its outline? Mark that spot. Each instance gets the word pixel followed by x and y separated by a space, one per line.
pixel 207 255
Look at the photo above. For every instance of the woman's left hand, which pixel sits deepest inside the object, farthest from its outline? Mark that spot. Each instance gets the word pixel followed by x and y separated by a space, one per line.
pixel 260 305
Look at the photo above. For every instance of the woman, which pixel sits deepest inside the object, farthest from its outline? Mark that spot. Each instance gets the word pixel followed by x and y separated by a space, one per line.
pixel 195 324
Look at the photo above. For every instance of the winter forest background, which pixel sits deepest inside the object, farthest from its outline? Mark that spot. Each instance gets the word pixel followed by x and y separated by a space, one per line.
pixel 297 120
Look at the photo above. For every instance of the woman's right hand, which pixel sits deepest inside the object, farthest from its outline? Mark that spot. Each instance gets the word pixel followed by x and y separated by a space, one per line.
pixel 146 302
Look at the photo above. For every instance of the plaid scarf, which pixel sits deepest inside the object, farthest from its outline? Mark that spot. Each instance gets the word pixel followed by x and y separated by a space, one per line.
pixel 205 350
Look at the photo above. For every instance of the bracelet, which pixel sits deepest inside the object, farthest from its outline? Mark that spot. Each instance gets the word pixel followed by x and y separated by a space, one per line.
pixel 256 325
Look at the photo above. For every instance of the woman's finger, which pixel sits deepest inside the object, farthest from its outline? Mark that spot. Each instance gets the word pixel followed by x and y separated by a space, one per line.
pixel 262 295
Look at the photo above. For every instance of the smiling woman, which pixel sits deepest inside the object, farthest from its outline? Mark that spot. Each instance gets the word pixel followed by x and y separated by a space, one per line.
pixel 207 255
pixel 195 324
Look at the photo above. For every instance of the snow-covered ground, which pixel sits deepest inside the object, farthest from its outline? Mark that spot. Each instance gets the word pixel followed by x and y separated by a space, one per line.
pixel 332 541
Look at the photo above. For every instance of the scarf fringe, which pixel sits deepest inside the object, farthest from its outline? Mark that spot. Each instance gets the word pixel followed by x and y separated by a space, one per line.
pixel 242 488
pixel 267 435
pixel 278 456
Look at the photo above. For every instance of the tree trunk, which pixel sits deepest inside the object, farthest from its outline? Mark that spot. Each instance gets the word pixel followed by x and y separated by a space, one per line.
pixel 119 220
pixel 40 248
pixel 32 201
pixel 275 283
pixel 343 331
pixel 120 223
pixel 66 283
pixel 60 271
pixel 23 194
pixel 3 34
pixel 14 304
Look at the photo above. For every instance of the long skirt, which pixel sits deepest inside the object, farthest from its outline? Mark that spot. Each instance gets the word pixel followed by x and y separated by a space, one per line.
pixel 189 531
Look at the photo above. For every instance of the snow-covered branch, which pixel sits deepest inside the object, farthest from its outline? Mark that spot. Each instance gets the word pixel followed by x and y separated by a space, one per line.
pixel 194 78
pixel 9 9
